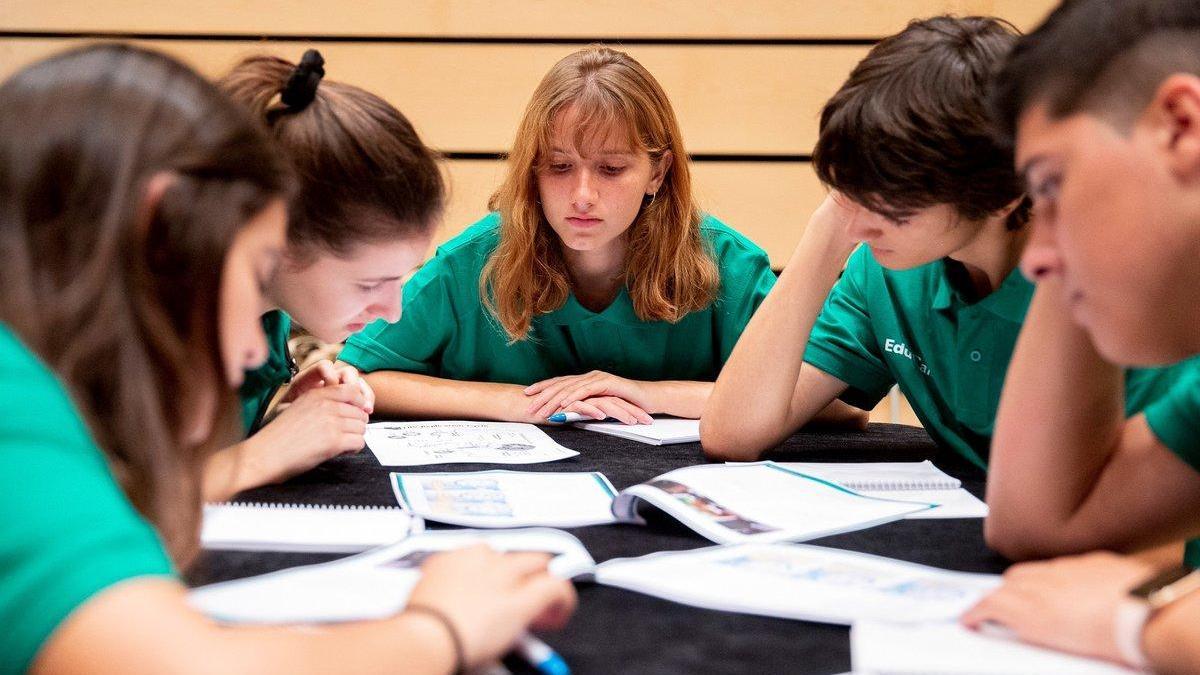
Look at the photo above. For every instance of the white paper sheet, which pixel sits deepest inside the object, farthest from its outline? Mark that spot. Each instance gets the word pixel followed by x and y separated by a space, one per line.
pixel 459 442
pixel 371 585
pixel 664 430
pixel 762 501
pixel 499 498
pixel 950 649
pixel 798 581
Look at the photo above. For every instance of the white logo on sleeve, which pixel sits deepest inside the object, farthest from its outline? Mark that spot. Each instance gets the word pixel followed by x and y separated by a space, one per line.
pixel 901 349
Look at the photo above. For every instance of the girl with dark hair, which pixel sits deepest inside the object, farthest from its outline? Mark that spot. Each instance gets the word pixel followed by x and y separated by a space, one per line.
pixel 141 215
pixel 370 196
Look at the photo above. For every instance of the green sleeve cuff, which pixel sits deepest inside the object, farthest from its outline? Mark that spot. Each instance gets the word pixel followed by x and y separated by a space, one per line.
pixel 867 382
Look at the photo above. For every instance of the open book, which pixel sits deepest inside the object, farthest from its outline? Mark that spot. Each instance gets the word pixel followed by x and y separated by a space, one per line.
pixel 371 585
pixel 304 527
pixel 726 503
pixel 664 430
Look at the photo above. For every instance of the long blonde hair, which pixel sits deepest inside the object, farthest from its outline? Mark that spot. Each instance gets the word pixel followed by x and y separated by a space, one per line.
pixel 669 268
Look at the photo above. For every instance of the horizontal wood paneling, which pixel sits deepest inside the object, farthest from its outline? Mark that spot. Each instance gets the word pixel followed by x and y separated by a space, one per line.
pixel 502 18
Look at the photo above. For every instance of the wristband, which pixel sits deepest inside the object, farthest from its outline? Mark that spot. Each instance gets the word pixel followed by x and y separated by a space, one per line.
pixel 460 656
pixel 1128 625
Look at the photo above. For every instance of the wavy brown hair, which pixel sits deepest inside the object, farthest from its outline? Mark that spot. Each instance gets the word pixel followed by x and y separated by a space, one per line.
pixel 118 298
pixel 669 269
pixel 365 175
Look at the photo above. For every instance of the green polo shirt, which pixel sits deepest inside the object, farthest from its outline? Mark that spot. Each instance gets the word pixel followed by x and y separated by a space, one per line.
pixel 914 328
pixel 1175 420
pixel 445 331
pixel 67 532
pixel 260 384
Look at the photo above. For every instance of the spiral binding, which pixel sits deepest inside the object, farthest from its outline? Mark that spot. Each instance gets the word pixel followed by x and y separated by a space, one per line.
pixel 281 506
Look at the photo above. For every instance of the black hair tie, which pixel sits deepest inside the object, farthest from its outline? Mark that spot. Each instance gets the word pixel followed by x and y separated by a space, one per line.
pixel 301 87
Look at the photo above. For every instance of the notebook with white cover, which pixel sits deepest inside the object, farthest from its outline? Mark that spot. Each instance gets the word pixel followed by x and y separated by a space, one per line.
pixel 797 581
pixel 880 475
pixel 916 481
pixel 372 585
pixel 304 527
pixel 950 649
pixel 664 430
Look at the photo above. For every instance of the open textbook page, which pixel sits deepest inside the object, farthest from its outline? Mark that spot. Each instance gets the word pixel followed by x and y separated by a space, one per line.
pixel 664 430
pixel 454 442
pixel 760 501
pixel 371 585
pixel 949 649
pixel 915 481
pixel 797 581
pixel 500 498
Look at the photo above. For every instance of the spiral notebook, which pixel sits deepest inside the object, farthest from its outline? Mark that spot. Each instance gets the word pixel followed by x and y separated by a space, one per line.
pixel 304 527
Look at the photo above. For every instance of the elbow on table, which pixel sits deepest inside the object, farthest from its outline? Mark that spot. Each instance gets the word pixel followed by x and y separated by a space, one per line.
pixel 1017 541
pixel 722 444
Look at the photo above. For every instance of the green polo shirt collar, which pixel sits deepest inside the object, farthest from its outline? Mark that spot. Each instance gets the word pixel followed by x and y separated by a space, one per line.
pixel 1009 301
pixel 619 311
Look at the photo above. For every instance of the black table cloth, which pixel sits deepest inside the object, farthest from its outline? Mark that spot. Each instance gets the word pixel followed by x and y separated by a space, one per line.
pixel 620 631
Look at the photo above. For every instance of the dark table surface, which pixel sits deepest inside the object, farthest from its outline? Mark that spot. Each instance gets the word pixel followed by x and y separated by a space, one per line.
pixel 620 631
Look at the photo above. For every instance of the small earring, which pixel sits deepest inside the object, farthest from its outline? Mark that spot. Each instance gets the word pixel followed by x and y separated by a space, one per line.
pixel 651 196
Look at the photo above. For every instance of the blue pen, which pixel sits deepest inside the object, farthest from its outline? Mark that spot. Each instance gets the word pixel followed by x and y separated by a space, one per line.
pixel 568 417
pixel 539 655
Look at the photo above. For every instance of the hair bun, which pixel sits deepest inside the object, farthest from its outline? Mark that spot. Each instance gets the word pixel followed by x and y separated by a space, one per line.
pixel 301 87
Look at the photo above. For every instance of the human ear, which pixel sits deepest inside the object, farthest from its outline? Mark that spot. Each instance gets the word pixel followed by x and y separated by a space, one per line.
pixel 1175 111
pixel 660 172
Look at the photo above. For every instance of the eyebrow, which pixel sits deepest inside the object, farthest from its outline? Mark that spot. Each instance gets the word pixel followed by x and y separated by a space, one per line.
pixel 612 151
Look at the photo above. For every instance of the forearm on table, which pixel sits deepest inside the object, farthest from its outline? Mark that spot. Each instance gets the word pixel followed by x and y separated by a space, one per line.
pixel 231 470
pixel 409 395
pixel 1060 419
pixel 752 398
pixel 681 398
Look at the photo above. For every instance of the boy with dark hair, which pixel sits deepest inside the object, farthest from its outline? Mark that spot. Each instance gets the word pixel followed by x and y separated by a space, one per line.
pixel 933 302
pixel 1104 103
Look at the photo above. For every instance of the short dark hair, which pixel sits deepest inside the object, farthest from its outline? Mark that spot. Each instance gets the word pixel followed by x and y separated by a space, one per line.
pixel 1105 56
pixel 911 128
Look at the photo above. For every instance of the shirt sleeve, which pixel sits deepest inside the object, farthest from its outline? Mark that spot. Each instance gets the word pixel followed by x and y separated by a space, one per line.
pixel 843 341
pixel 416 342
pixel 746 278
pixel 1175 419
pixel 68 532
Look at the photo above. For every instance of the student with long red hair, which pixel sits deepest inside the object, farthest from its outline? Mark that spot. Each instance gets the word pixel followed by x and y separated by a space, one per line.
pixel 596 286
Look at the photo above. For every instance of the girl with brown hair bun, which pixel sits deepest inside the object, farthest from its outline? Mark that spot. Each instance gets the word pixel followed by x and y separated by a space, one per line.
pixel 141 214
pixel 597 286
pixel 370 195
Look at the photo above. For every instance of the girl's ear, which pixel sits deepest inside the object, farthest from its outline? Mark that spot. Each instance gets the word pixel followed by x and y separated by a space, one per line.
pixel 660 172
